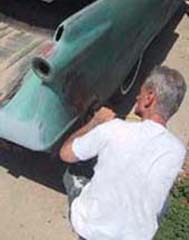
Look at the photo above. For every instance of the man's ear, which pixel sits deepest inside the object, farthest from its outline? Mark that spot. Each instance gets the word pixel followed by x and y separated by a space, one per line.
pixel 150 99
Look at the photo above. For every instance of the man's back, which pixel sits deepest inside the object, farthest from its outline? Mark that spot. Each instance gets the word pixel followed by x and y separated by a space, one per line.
pixel 137 164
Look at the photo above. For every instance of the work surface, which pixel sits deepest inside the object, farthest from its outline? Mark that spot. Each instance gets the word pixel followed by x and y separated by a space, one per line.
pixel 32 205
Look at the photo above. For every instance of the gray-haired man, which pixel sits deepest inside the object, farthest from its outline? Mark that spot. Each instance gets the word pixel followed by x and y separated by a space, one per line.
pixel 136 167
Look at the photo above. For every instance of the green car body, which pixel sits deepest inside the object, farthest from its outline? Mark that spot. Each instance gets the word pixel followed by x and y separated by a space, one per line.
pixel 93 52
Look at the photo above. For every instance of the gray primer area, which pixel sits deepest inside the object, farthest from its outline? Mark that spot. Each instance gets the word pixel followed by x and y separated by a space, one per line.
pixel 23 133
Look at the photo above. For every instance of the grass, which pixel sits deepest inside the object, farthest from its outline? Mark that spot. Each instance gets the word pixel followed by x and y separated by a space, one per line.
pixel 175 226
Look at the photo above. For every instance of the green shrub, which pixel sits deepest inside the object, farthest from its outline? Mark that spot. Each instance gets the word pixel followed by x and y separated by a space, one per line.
pixel 175 226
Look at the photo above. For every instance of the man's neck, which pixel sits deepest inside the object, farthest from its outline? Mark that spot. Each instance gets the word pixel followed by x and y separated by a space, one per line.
pixel 156 118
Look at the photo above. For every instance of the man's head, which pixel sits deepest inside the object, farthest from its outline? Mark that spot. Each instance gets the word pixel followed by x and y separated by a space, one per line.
pixel 161 94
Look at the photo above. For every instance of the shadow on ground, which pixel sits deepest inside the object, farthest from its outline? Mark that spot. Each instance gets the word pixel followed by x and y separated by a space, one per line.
pixel 40 167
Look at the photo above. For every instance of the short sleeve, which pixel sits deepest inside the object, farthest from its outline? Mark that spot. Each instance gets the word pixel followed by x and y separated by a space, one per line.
pixel 90 145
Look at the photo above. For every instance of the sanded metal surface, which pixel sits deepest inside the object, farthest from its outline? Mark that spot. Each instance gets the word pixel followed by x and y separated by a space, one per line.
pixel 17 46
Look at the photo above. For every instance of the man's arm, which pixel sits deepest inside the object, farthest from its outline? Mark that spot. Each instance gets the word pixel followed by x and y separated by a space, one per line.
pixel 66 152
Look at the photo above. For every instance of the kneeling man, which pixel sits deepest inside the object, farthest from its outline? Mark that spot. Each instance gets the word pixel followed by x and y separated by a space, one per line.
pixel 137 163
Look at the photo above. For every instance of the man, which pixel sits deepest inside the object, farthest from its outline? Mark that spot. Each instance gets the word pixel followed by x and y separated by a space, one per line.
pixel 136 167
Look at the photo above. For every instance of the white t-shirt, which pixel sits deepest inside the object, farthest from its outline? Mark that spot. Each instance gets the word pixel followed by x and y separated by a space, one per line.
pixel 137 165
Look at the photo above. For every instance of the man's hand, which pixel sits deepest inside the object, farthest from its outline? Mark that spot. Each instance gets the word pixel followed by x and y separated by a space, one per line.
pixel 103 115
